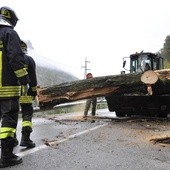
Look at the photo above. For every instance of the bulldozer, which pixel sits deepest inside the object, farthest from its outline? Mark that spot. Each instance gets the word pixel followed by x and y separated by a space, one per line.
pixel 130 104
pixel 142 88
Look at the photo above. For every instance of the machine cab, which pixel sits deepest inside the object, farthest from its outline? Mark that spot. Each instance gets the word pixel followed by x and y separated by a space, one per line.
pixel 140 62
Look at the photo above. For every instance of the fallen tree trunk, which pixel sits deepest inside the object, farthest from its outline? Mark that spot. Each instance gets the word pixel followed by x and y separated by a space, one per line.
pixel 102 86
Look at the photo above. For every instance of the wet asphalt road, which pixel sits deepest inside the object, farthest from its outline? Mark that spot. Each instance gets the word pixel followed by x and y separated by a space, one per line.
pixel 68 142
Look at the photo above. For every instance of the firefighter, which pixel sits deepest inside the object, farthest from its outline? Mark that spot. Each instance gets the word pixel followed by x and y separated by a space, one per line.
pixel 89 102
pixel 13 74
pixel 26 101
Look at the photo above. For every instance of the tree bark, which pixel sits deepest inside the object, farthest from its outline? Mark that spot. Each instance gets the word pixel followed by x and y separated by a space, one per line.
pixel 102 86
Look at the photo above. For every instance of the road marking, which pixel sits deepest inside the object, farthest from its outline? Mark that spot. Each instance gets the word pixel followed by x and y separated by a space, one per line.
pixel 33 150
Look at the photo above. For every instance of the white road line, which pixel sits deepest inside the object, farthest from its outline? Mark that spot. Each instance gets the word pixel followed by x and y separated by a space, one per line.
pixel 30 151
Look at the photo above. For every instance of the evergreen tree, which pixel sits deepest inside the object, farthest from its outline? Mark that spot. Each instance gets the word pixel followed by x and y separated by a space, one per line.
pixel 166 49
pixel 165 52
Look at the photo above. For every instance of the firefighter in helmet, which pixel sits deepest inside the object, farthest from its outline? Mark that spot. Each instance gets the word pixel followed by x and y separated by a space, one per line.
pixel 13 74
pixel 90 102
pixel 26 101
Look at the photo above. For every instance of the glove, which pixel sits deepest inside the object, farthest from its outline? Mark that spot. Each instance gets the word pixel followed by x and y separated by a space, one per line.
pixel 24 90
pixel 31 92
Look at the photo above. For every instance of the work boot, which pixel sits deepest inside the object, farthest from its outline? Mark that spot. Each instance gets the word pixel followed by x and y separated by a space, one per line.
pixel 7 156
pixel 25 139
pixel 93 114
pixel 85 117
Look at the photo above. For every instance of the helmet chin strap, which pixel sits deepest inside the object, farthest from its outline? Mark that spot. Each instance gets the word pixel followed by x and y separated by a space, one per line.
pixel 4 22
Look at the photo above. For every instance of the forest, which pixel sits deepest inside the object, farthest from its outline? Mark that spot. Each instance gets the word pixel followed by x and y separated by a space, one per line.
pixel 165 52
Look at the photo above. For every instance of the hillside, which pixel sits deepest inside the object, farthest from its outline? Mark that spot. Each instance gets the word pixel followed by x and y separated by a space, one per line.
pixel 48 72
pixel 49 77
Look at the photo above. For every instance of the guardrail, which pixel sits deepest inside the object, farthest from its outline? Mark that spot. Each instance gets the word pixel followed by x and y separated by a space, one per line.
pixel 79 106
pixel 73 106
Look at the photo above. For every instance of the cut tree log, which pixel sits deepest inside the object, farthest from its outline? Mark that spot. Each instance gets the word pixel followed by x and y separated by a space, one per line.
pixel 102 86
pixel 149 77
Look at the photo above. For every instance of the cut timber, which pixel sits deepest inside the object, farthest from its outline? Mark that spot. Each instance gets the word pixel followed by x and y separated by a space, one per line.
pixel 101 86
pixel 162 86
pixel 149 77
pixel 165 73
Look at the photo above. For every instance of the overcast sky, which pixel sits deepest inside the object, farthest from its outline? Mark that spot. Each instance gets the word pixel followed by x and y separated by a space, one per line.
pixel 104 31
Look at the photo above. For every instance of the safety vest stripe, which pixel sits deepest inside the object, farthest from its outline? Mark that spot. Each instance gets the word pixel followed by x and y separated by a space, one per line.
pixel 27 123
pixel 10 91
pixel 7 91
pixel 10 88
pixel 7 132
pixel 9 94
pixel 23 89
pixel 20 73
pixel 26 99
pixel 0 68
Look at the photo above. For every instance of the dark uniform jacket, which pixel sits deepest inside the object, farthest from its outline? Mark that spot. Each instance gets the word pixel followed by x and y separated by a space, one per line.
pixel 32 91
pixel 12 65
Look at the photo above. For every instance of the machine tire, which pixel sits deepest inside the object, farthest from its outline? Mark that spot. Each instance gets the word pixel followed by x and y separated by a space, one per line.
pixel 120 114
pixel 163 112
pixel 162 115
pixel 129 115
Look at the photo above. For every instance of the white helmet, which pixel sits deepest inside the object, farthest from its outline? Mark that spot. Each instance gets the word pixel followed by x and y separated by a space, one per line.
pixel 8 17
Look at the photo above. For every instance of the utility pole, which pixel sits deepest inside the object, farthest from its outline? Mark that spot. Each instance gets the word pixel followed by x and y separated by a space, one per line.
pixel 85 67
